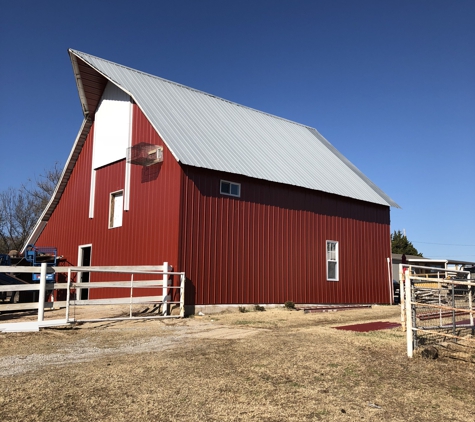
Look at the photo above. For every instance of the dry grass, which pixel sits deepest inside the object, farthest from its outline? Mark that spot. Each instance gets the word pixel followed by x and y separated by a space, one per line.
pixel 277 365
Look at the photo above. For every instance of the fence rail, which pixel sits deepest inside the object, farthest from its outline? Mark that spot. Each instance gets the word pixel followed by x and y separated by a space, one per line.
pixel 163 282
pixel 438 310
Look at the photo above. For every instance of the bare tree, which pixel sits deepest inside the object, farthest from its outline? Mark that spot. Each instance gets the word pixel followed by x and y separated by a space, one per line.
pixel 21 208
pixel 43 186
pixel 18 217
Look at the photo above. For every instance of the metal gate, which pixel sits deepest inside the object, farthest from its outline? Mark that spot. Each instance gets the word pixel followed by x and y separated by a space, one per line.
pixel 438 309
pixel 129 280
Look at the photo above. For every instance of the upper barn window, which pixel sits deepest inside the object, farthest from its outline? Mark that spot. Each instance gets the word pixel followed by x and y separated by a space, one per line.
pixel 230 188
pixel 116 209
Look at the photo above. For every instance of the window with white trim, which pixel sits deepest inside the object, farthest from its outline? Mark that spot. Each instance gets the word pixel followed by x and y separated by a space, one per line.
pixel 230 188
pixel 116 209
pixel 332 260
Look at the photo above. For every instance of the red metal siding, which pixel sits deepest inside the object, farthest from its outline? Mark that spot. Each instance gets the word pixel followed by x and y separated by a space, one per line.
pixel 269 246
pixel 150 229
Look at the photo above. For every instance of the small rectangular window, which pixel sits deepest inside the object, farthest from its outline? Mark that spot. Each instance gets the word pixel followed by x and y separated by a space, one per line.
pixel 116 209
pixel 332 260
pixel 230 188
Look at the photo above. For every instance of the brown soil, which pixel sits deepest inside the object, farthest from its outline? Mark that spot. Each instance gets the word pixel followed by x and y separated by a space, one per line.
pixel 276 365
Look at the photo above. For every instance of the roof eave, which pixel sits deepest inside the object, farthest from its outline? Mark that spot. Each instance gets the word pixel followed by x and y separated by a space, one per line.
pixel 77 77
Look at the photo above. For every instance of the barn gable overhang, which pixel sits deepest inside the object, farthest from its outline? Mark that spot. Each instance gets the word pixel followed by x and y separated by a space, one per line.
pixel 90 84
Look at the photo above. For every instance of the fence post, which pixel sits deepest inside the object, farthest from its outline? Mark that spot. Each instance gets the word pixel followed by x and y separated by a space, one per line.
pixel 401 297
pixel 182 295
pixel 42 293
pixel 470 301
pixel 454 324
pixel 165 288
pixel 131 294
pixel 68 295
pixel 391 285
pixel 409 322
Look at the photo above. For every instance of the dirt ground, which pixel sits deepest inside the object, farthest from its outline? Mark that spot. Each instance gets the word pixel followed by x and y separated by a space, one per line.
pixel 277 365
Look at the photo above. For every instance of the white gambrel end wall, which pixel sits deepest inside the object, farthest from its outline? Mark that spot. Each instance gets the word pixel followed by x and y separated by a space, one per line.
pixel 111 127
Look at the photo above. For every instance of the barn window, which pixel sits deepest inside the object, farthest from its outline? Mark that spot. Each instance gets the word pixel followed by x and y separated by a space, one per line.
pixel 230 188
pixel 332 260
pixel 116 209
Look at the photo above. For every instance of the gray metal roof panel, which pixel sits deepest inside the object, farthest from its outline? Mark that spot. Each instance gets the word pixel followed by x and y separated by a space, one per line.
pixel 206 131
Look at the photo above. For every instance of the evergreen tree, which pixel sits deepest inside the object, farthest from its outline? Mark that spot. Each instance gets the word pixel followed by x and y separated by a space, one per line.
pixel 400 244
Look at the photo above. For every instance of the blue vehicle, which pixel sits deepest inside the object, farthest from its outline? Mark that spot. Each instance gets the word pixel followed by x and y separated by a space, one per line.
pixel 8 279
pixel 5 260
pixel 39 255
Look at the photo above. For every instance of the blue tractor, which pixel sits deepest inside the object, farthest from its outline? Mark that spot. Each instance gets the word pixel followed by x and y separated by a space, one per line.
pixel 33 256
pixel 39 255
pixel 8 279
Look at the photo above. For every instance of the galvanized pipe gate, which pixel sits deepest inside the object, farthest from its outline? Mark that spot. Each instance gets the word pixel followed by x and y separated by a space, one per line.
pixel 437 306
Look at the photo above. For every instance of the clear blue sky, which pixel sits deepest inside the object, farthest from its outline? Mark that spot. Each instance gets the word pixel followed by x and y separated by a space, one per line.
pixel 391 84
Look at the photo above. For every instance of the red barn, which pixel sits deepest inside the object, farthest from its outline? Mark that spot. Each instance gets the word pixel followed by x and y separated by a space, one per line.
pixel 254 208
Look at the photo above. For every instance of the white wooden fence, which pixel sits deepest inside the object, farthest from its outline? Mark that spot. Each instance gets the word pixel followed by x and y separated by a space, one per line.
pixel 437 306
pixel 132 284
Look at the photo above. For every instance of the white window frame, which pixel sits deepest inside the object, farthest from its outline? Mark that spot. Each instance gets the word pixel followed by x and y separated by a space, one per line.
pixel 332 257
pixel 231 185
pixel 80 274
pixel 112 209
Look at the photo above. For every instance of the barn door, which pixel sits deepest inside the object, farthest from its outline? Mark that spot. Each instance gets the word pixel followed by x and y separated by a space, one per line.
pixel 84 260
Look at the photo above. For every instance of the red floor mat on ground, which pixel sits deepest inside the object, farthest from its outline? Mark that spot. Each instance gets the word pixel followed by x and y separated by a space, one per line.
pixel 458 324
pixel 369 326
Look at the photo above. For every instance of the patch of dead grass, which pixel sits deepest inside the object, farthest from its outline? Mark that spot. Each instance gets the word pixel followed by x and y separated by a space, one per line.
pixel 278 365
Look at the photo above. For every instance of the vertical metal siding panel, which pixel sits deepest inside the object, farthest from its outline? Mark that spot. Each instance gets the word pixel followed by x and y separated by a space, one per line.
pixel 294 280
pixel 233 252
pixel 274 293
pixel 239 251
pixel 218 272
pixel 272 263
pixel 263 247
pixel 267 292
pixel 279 270
pixel 223 262
pixel 252 291
pixel 287 258
pixel 309 251
pixel 352 263
pixel 244 251
pixel 302 263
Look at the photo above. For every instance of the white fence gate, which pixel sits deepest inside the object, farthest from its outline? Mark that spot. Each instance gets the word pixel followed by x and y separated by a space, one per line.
pixel 438 307
pixel 133 279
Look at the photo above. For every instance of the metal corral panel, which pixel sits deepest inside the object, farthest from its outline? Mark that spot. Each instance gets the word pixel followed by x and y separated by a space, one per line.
pixel 150 229
pixel 269 245
pixel 208 132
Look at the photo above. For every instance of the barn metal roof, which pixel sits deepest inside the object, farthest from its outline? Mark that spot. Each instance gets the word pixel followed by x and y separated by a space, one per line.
pixel 206 131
